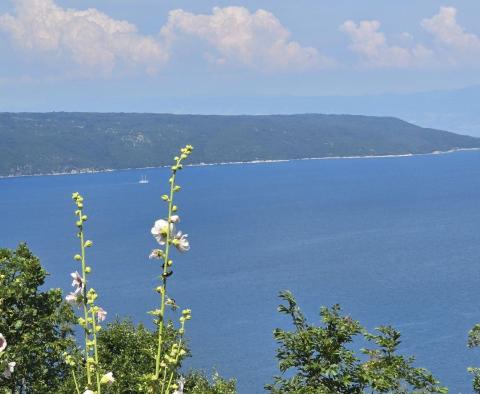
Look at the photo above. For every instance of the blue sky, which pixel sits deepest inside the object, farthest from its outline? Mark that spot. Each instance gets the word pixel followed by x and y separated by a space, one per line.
pixel 103 54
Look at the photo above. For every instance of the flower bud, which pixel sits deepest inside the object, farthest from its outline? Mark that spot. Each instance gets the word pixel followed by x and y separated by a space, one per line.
pixel 88 269
pixel 165 197
pixel 77 257
pixel 88 244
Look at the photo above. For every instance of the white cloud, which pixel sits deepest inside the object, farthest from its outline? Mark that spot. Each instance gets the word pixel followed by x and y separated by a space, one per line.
pixel 368 41
pixel 89 38
pixel 453 41
pixel 256 40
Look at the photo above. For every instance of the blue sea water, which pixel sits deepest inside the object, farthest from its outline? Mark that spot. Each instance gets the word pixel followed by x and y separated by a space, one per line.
pixel 393 240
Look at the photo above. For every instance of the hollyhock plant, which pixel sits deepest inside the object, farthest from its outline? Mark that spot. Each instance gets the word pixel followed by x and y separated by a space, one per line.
pixel 93 315
pixel 164 232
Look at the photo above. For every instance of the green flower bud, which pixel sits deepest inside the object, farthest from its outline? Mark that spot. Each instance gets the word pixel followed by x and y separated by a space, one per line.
pixel 77 257
pixel 88 244
pixel 174 208
pixel 165 197
pixel 88 269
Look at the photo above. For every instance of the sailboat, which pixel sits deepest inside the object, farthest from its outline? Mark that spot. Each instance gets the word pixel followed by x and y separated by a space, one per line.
pixel 143 179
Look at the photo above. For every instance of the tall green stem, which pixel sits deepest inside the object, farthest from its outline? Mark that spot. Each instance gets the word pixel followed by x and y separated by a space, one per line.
pixel 164 277
pixel 75 381
pixel 94 329
pixel 84 296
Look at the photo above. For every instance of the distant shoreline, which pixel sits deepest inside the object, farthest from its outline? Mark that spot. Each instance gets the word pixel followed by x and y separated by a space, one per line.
pixel 91 171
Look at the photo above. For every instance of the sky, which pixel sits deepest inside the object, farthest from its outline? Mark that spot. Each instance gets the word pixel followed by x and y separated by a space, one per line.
pixel 113 55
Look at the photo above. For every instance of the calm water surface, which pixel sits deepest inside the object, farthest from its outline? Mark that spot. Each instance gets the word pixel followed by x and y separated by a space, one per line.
pixel 394 240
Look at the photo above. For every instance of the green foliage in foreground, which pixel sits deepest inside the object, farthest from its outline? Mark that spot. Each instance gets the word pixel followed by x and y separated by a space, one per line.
pixel 319 359
pixel 197 383
pixel 35 323
pixel 474 341
pixel 129 350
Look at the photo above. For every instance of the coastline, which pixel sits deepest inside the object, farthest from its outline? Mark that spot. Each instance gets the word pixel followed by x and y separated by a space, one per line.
pixel 92 171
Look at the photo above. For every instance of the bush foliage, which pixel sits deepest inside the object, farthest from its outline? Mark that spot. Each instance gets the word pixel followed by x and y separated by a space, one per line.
pixel 320 359
pixel 37 325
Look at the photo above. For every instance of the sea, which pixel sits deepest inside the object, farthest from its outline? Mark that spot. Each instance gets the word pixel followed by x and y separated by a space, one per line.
pixel 393 240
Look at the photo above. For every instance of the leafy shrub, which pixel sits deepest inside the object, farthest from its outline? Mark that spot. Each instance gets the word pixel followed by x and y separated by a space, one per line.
pixel 36 325
pixel 319 359
pixel 197 383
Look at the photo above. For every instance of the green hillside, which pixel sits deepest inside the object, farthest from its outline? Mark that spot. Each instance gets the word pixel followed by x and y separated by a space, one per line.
pixel 33 143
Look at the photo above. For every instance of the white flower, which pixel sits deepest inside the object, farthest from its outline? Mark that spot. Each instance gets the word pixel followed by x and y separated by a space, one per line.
pixel 174 219
pixel 181 383
pixel 74 297
pixel 107 378
pixel 9 370
pixel 3 343
pixel 77 279
pixel 156 254
pixel 181 242
pixel 88 392
pixel 101 314
pixel 160 230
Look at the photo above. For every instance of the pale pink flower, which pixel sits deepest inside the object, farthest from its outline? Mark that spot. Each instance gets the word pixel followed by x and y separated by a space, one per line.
pixel 175 219
pixel 160 230
pixel 182 243
pixel 9 370
pixel 77 279
pixel 3 343
pixel 155 254
pixel 74 297
pixel 101 314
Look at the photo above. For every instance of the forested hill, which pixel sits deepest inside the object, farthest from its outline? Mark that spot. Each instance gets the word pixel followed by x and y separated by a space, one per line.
pixel 33 143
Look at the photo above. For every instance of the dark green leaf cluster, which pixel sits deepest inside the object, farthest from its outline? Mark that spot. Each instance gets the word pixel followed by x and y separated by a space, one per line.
pixel 129 351
pixel 474 341
pixel 36 324
pixel 196 382
pixel 320 359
